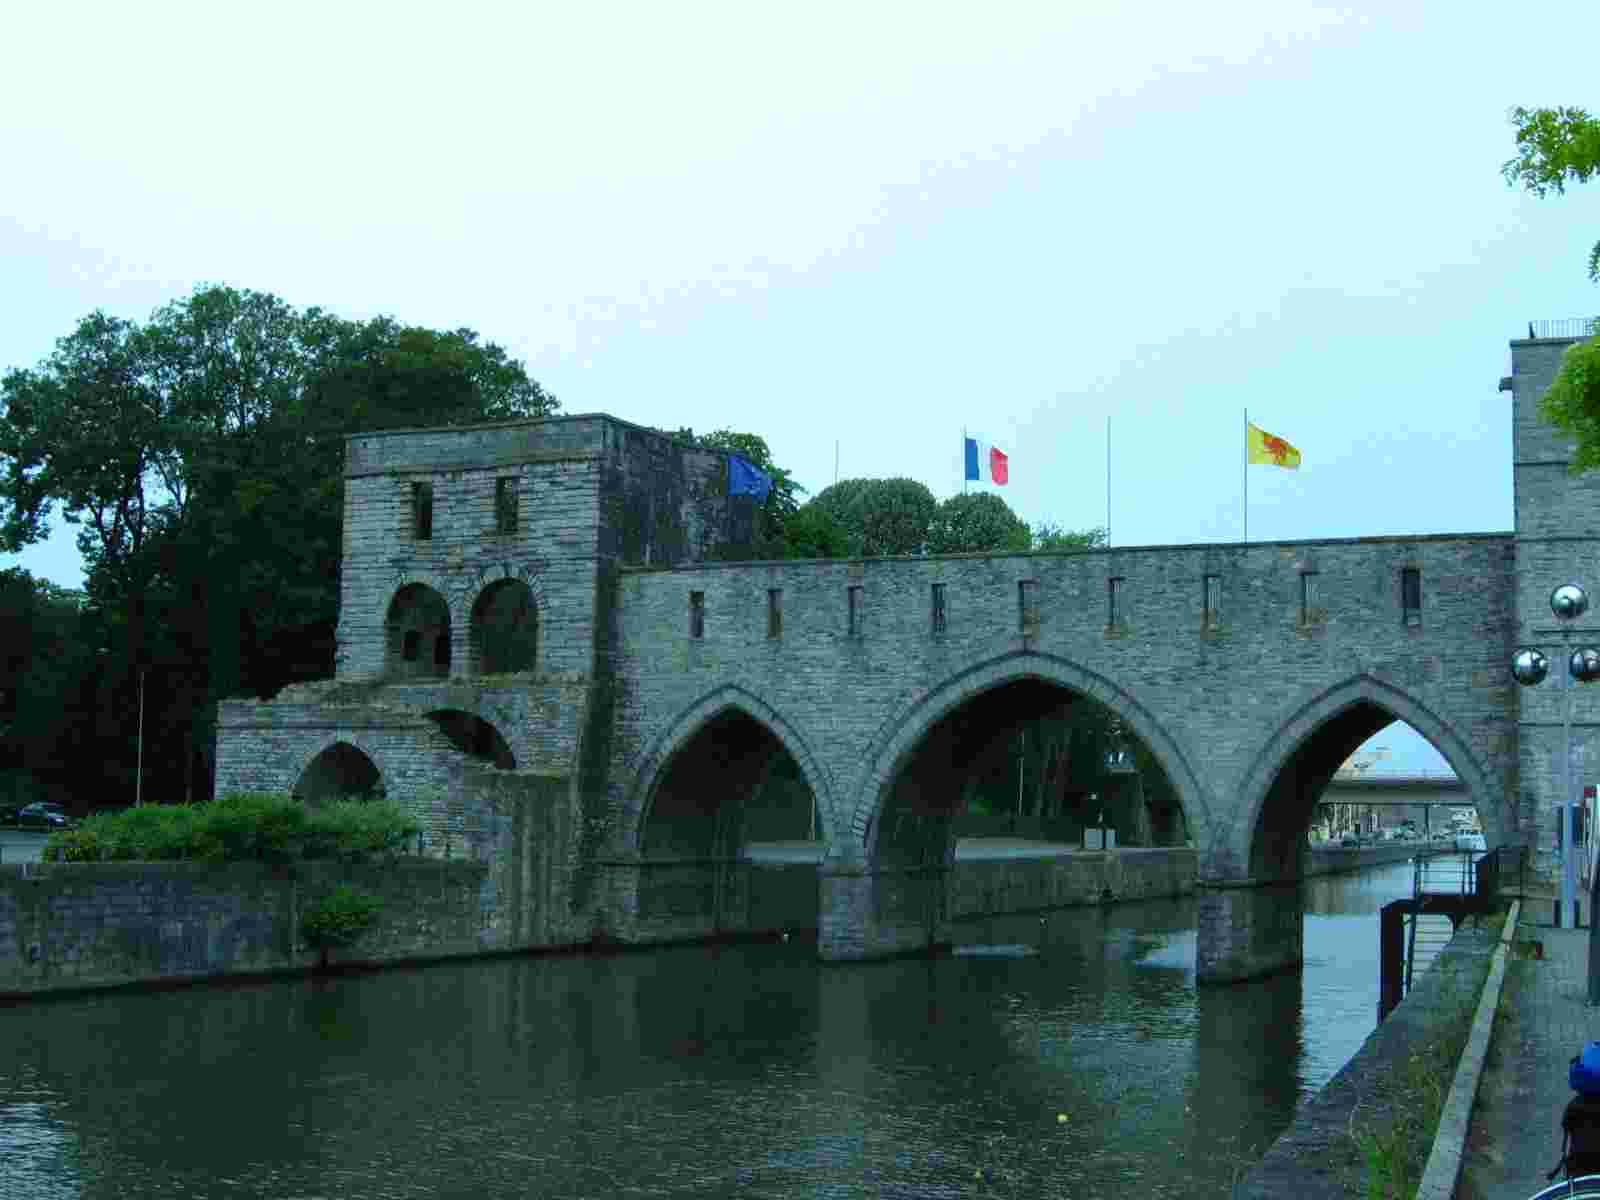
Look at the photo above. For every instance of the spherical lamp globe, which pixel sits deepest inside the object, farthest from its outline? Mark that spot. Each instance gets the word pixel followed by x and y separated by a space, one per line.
pixel 1569 602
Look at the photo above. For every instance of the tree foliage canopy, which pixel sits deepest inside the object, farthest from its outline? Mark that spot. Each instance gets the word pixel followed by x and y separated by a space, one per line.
pixel 201 455
pixel 1047 535
pixel 1557 146
pixel 977 522
pixel 880 517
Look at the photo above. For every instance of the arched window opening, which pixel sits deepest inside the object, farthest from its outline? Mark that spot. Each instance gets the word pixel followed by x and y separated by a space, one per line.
pixel 474 736
pixel 418 617
pixel 504 631
pixel 341 772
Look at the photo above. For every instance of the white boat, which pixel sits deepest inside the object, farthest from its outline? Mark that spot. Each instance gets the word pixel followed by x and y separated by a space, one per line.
pixel 1468 840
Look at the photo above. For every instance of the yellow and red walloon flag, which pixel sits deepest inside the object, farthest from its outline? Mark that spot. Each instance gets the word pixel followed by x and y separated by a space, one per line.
pixel 1264 447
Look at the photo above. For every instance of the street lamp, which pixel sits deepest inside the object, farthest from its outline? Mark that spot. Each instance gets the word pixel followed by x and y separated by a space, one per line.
pixel 138 779
pixel 1529 666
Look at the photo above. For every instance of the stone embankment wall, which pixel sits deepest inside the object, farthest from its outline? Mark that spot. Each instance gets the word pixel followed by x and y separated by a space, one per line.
pixel 1336 860
pixel 499 883
pixel 994 887
pixel 65 926
pixel 1317 1157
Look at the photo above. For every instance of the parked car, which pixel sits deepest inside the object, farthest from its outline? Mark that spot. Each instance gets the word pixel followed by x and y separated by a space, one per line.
pixel 42 814
pixel 1349 841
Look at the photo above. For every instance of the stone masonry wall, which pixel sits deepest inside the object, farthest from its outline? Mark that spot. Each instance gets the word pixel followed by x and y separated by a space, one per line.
pixel 503 887
pixel 1557 541
pixel 1222 707
pixel 67 926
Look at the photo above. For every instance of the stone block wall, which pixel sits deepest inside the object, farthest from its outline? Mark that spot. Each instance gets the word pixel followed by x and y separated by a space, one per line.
pixel 994 887
pixel 1557 541
pixel 1221 707
pixel 70 926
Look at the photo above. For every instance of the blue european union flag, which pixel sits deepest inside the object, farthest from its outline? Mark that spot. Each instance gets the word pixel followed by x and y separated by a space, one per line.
pixel 747 479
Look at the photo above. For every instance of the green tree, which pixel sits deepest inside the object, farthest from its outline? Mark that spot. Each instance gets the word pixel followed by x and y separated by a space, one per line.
pixel 812 533
pixel 202 454
pixel 44 663
pixel 1557 146
pixel 1047 535
pixel 977 522
pixel 881 517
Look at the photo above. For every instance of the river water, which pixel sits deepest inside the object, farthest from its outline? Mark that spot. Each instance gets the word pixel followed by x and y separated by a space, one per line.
pixel 749 1071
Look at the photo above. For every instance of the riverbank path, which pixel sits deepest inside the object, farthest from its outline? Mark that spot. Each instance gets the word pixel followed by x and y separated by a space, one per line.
pixel 1514 1137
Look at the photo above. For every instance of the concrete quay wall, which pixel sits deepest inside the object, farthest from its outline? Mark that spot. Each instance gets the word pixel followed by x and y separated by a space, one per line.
pixel 1317 1157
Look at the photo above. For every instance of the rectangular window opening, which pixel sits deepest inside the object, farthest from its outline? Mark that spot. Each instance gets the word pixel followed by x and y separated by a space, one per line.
pixel 1308 597
pixel 422 511
pixel 505 505
pixel 855 611
pixel 1114 612
pixel 1411 595
pixel 697 614
pixel 1212 600
pixel 938 608
pixel 1027 612
pixel 774 612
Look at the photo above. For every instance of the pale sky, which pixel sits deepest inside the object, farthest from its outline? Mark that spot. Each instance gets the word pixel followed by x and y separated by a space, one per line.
pixel 862 226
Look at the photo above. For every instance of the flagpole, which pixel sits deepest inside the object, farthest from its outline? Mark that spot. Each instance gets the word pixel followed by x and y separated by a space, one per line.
pixel 1108 481
pixel 1247 476
pixel 963 460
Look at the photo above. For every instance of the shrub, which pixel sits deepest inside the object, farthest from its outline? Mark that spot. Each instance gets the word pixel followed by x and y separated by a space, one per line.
pixel 254 825
pixel 73 845
pixel 339 918
pixel 353 830
pixel 240 826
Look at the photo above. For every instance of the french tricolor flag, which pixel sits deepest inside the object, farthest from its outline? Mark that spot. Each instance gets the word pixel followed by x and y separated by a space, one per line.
pixel 985 462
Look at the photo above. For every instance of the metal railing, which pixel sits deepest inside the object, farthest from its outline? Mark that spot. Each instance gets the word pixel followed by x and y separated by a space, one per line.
pixel 1471 880
pixel 1570 327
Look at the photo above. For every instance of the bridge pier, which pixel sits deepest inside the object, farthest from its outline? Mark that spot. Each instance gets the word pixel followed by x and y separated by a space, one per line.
pixel 1247 931
pixel 867 912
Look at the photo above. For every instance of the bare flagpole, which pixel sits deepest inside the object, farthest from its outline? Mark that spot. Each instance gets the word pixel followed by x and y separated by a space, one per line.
pixel 836 460
pixel 1108 481
pixel 1247 476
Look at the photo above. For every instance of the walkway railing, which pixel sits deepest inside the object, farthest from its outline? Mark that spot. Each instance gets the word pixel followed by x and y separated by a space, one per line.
pixel 1447 884
pixel 1571 327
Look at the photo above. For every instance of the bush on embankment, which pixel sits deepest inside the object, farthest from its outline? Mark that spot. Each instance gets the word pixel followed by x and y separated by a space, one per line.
pixel 239 827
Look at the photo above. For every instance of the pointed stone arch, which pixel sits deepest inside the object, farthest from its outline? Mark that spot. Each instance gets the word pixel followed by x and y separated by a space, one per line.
pixel 648 774
pixel 899 737
pixel 1228 855
pixel 341 766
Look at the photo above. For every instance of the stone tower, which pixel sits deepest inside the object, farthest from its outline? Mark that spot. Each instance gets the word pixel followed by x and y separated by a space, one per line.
pixel 1557 541
pixel 477 616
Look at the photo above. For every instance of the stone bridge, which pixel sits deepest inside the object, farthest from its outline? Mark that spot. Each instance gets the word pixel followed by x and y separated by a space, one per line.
pixel 556 613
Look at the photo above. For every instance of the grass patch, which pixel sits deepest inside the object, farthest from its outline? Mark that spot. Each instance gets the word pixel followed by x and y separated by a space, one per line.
pixel 1395 1150
pixel 239 827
